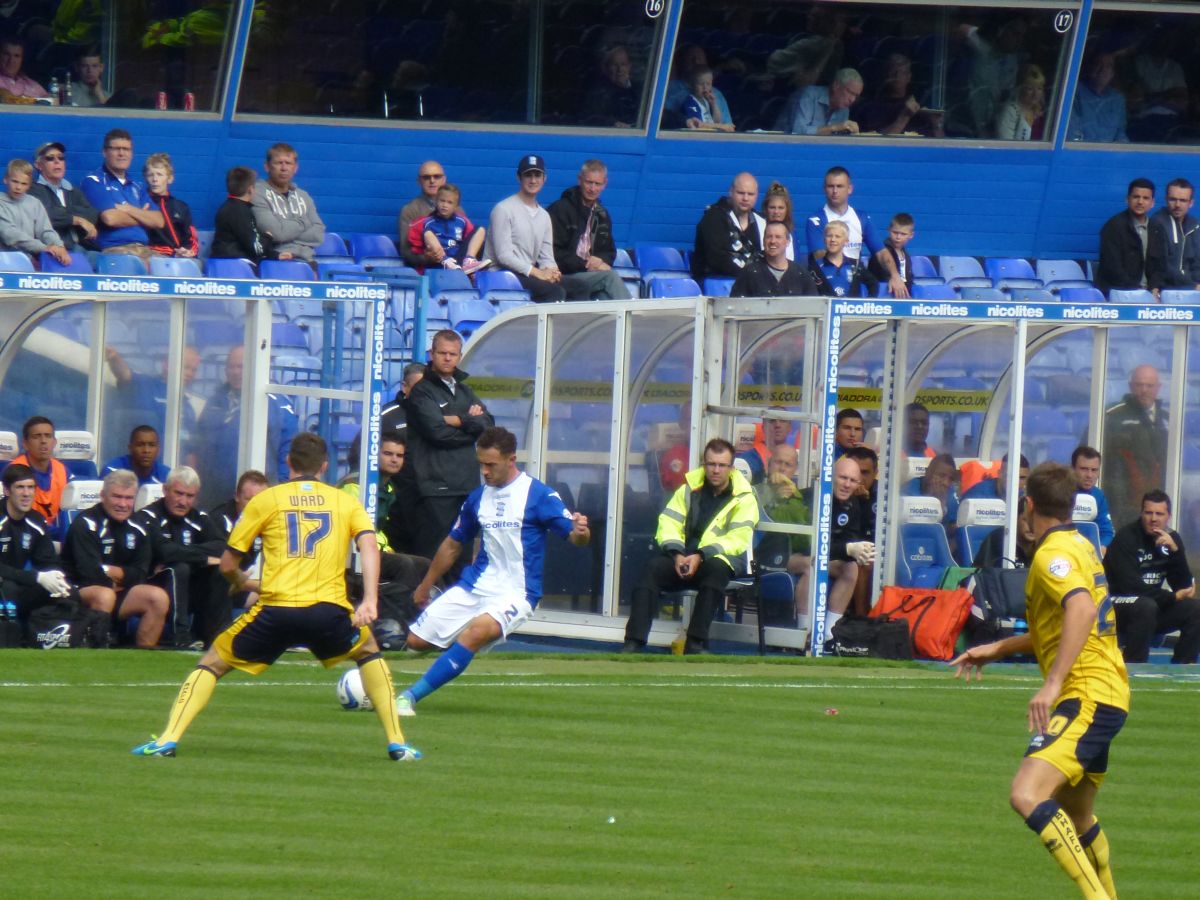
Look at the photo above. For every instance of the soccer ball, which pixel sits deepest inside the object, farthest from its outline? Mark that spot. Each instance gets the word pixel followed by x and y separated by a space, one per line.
pixel 350 691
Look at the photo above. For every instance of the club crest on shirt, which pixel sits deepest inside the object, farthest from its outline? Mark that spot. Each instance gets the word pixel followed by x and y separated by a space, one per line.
pixel 1059 567
pixel 130 540
pixel 842 519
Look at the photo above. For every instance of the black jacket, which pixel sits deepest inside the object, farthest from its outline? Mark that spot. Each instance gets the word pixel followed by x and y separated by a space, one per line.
pixel 62 215
pixel 1122 260
pixel 1173 256
pixel 440 461
pixel 178 232
pixel 223 518
pixel 180 539
pixel 722 248
pixel 756 280
pixel 862 282
pixel 1135 567
pixel 237 236
pixel 847 527
pixel 568 217
pixel 875 267
pixel 25 542
pixel 94 540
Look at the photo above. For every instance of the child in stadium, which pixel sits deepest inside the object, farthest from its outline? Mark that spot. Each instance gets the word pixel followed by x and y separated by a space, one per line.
pixel 24 223
pixel 237 236
pixel 449 229
pixel 177 237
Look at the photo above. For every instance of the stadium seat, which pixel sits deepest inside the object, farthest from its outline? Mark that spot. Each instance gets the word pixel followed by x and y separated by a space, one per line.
pixel 175 267
pixel 924 550
pixel 963 271
pixel 499 284
pixel 221 267
pixel 985 294
pixel 976 520
pixel 1081 295
pixel 934 292
pixel 503 306
pixel 209 333
pixel 120 264
pixel 1011 272
pixel 923 271
pixel 77 451
pixel 204 236
pixel 341 271
pixel 333 245
pixel 77 496
pixel 717 287
pixel 1139 296
pixel 146 495
pixel 467 314
pixel 373 245
pixel 674 287
pixel 9 447
pixel 288 338
pixel 1084 517
pixel 1180 298
pixel 629 273
pixel 659 262
pixel 1032 295
pixel 286 270
pixel 15 261
pixel 1057 274
pixel 79 263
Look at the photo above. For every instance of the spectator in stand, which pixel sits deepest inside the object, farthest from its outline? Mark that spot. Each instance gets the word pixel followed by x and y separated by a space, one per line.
pixel 614 100
pixel 70 213
pixel 817 110
pixel 1173 250
pixel 285 212
pixel 124 204
pixel 774 275
pixel 916 431
pixel 186 545
pixel 1135 444
pixel 15 85
pixel 521 237
pixel 834 273
pixel 177 237
pixel 144 397
pixel 769 437
pixel 838 190
pixel 688 60
pixel 108 557
pixel 993 74
pixel 701 109
pixel 224 516
pixel 939 482
pixel 446 229
pixel 584 249
pixel 1024 116
pixel 894 109
pixel 24 222
pixel 38 441
pixel 430 177
pixel 728 236
pixel 777 207
pixel 142 459
pixel 900 232
pixel 236 235
pixel 1086 463
pixel 30 572
pixel 815 57
pixel 703 535
pixel 1159 98
pixel 847 432
pixel 1098 110
pixel 1124 240
pixel 1151 584
pixel 995 488
pixel 86 89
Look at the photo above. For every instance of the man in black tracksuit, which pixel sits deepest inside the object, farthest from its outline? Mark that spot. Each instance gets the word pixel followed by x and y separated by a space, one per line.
pixel 774 275
pixel 445 418
pixel 30 572
pixel 729 234
pixel 1151 585
pixel 1124 239
pixel 1173 254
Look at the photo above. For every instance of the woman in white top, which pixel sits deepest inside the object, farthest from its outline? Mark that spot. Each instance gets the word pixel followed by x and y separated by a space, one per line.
pixel 1019 116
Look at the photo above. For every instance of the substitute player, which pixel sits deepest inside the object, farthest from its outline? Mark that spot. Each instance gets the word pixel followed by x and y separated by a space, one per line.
pixel 306 528
pixel 1085 698
pixel 499 591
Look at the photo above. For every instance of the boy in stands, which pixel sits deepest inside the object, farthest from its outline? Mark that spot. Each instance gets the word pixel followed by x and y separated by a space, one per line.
pixel 24 223
pixel 177 237
pixel 237 235
pixel 450 230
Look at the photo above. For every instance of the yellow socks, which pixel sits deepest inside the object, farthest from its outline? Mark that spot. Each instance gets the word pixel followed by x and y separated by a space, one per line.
pixel 1058 836
pixel 1095 845
pixel 377 682
pixel 193 696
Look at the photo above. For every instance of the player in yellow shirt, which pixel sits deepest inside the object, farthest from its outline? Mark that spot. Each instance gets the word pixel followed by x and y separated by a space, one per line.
pixel 306 529
pixel 1085 697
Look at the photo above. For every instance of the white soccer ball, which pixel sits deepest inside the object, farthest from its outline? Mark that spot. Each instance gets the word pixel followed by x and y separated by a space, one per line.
pixel 350 691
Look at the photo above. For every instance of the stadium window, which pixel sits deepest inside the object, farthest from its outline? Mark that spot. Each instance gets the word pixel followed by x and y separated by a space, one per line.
pixel 978 72
pixel 122 54
pixel 579 63
pixel 1138 78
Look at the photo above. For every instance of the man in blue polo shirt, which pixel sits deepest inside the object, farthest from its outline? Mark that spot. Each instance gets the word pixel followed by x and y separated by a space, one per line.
pixel 122 201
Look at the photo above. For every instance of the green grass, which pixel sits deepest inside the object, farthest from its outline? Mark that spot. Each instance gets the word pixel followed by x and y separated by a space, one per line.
pixel 726 778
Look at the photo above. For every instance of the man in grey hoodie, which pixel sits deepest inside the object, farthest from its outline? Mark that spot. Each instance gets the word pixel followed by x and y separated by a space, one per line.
pixel 1173 251
pixel 24 224
pixel 284 211
pixel 521 238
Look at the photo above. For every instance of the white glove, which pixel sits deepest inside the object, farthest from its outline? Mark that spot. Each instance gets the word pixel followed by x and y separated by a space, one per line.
pixel 55 583
pixel 862 552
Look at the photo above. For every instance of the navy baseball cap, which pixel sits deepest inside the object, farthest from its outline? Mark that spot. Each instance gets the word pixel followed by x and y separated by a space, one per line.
pixel 47 147
pixel 531 163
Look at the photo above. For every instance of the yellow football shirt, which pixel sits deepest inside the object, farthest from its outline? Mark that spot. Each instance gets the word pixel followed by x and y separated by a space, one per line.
pixel 306 529
pixel 1066 562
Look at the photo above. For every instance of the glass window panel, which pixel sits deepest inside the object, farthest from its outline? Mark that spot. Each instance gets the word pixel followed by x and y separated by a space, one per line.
pixel 119 53
pixel 48 375
pixel 956 71
pixel 136 336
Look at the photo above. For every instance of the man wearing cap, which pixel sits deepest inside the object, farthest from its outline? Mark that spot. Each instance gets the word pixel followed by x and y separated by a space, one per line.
pixel 123 201
pixel 521 237
pixel 71 215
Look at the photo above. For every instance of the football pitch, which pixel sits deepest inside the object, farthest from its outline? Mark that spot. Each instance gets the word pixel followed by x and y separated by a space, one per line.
pixel 567 776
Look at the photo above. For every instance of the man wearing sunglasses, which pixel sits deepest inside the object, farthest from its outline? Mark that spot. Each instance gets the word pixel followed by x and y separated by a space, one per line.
pixel 71 215
pixel 430 177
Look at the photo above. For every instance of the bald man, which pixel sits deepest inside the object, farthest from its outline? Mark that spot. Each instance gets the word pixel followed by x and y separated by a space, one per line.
pixel 1135 446
pixel 729 236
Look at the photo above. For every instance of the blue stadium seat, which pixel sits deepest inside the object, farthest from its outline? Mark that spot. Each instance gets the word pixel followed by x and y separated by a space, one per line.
pixel 204 236
pixel 341 271
pixel 924 554
pixel 986 294
pixel 333 245
pixel 963 271
pixel 659 262
pixel 467 314
pixel 286 270
pixel 498 285
pixel 674 287
pixel 221 267
pixel 1180 298
pixel 934 292
pixel 442 281
pixel 629 273
pixel 1091 531
pixel 1081 295
pixel 1057 274
pixel 120 264
pixel 175 266
pixel 923 271
pixel 1010 272
pixel 287 337
pixel 503 306
pixel 1032 295
pixel 374 245
pixel 1144 297
pixel 79 264
pixel 15 261
pixel 717 287
pixel 207 333
pixel 296 368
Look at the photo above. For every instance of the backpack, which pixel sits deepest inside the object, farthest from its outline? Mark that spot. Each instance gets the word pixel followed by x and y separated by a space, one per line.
pixel 934 617
pixel 880 637
pixel 999 604
pixel 68 624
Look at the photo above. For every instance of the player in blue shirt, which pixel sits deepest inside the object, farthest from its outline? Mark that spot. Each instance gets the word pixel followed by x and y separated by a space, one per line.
pixel 496 593
pixel 142 459
pixel 1086 463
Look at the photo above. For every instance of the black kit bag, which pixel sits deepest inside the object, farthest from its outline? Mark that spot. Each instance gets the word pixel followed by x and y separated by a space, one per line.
pixel 880 637
pixel 998 610
pixel 68 624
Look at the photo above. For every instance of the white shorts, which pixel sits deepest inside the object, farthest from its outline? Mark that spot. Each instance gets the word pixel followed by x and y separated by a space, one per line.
pixel 444 619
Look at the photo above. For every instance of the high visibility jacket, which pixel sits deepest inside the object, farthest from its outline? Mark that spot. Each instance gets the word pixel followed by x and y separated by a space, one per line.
pixel 727 536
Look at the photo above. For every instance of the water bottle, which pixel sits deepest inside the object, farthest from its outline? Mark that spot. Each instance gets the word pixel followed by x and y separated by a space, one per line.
pixel 8 609
pixel 67 99
pixel 53 89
